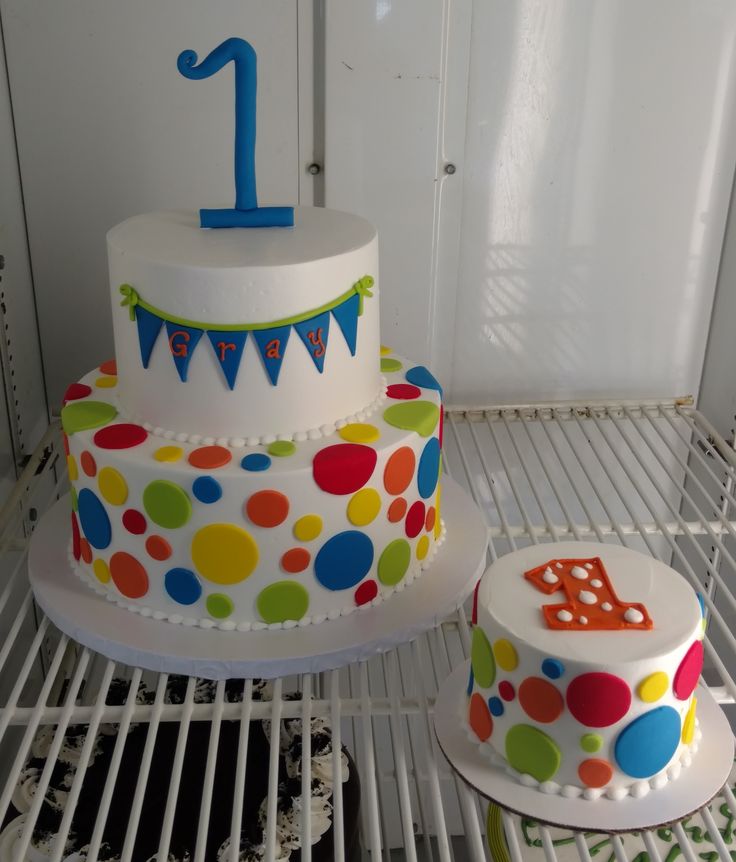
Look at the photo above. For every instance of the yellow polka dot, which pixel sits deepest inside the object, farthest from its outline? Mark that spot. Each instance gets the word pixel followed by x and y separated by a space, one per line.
pixel 364 506
pixel 308 527
pixel 385 350
pixel 106 382
pixel 653 687
pixel 422 547
pixel 71 466
pixel 505 653
pixel 113 486
pixel 224 553
pixel 101 570
pixel 437 524
pixel 688 726
pixel 168 453
pixel 359 432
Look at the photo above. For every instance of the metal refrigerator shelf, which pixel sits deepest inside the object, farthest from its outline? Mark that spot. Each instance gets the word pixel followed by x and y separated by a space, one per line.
pixel 654 476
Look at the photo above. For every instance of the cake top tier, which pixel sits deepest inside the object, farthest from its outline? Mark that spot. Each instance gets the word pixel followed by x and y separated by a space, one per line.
pixel 517 588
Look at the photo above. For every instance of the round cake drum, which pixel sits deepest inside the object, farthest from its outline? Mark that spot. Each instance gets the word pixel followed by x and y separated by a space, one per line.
pixel 143 642
pixel 697 785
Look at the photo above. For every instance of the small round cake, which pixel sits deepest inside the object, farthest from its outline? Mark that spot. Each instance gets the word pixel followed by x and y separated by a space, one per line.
pixel 584 661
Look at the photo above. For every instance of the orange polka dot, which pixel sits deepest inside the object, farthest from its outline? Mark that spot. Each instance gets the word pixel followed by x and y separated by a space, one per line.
pixel 430 519
pixel 540 700
pixel 128 575
pixel 88 463
pixel 210 457
pixel 267 508
pixel 399 470
pixel 295 560
pixel 397 510
pixel 480 718
pixel 85 550
pixel 109 367
pixel 595 772
pixel 158 547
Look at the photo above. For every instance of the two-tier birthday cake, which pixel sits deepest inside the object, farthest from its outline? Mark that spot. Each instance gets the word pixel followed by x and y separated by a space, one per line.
pixel 585 659
pixel 252 456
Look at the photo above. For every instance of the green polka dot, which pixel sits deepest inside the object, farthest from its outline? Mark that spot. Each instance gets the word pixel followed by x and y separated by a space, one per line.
pixel 284 600
pixel 75 504
pixel 591 742
pixel 419 416
pixel 481 658
pixel 532 752
pixel 394 561
pixel 281 448
pixel 390 365
pixel 167 504
pixel 219 606
pixel 84 415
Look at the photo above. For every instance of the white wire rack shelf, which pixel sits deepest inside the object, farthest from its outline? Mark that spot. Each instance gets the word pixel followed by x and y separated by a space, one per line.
pixel 654 476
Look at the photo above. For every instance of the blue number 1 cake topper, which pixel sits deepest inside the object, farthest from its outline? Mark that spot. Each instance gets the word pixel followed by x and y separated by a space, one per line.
pixel 246 213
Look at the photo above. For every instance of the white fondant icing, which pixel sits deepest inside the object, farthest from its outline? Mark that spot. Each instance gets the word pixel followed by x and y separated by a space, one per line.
pixel 583 621
pixel 579 573
pixel 607 606
pixel 549 577
pixel 596 583
pixel 589 565
pixel 564 616
pixel 587 598
pixel 632 615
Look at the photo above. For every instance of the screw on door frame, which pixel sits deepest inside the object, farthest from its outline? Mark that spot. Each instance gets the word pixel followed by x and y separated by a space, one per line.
pixel 450 168
pixel 314 169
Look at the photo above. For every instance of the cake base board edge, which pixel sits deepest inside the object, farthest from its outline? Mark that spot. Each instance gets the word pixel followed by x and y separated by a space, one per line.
pixel 160 646
pixel 697 785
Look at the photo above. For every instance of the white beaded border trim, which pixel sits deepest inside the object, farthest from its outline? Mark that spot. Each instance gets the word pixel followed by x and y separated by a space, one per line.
pixel 298 436
pixel 229 625
pixel 636 789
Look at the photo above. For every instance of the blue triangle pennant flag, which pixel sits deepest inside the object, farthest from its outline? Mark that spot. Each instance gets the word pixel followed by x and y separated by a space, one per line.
pixel 272 346
pixel 313 333
pixel 182 341
pixel 228 347
pixel 149 326
pixel 346 315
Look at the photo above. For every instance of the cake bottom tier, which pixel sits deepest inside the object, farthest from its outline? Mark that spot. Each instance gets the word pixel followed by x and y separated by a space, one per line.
pixel 284 534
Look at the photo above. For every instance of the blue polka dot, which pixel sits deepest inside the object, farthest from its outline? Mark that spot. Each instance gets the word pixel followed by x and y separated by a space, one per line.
pixel 429 468
pixel 553 668
pixel 495 705
pixel 94 520
pixel 206 489
pixel 344 560
pixel 256 463
pixel 471 681
pixel 701 602
pixel 647 745
pixel 183 586
pixel 421 376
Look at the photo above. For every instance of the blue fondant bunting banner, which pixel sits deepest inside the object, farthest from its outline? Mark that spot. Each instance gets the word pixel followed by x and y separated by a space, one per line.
pixel 228 347
pixel 314 334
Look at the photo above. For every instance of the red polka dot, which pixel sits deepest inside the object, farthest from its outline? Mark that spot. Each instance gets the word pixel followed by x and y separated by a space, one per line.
pixel 344 467
pixel 598 699
pixel 506 690
pixel 403 391
pixel 686 675
pixel 128 575
pixel 430 519
pixel 77 391
pixel 540 700
pixel 415 520
pixel 442 425
pixel 85 550
pixel 399 470
pixel 76 550
pixel 87 461
pixel 109 367
pixel 474 615
pixel 295 560
pixel 366 592
pixel 595 772
pixel 267 508
pixel 65 441
pixel 397 510
pixel 123 436
pixel 158 547
pixel 134 522
pixel 210 457
pixel 480 717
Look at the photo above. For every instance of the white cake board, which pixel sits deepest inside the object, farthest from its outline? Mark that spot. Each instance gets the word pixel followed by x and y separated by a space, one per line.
pixel 143 642
pixel 696 786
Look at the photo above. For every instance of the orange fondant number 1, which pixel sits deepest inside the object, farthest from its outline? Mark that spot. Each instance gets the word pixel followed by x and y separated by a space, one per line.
pixel 592 603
